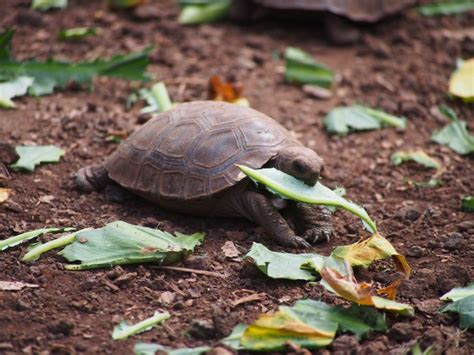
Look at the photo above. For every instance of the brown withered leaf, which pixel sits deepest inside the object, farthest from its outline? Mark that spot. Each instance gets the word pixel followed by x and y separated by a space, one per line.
pixel 219 90
pixel 340 277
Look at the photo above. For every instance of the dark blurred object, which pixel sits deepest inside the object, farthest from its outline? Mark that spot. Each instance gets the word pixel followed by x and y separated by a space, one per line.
pixel 338 19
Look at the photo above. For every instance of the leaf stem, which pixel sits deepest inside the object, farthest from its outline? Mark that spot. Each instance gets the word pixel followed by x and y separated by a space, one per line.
pixel 23 237
pixel 120 333
pixel 160 92
pixel 36 252
pixel 386 119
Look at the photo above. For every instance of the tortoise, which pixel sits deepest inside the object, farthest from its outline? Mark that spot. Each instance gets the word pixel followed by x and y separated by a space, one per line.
pixel 184 160
pixel 338 14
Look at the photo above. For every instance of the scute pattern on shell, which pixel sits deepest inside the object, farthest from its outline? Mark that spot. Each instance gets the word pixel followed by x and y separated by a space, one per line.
pixel 190 152
pixel 357 10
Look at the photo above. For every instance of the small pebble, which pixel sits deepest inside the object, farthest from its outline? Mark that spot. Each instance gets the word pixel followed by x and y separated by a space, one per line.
pixel 430 306
pixel 415 251
pixel 202 329
pixel 465 225
pixel 454 242
pixel 344 342
pixel 409 213
pixel 167 298
pixel 401 331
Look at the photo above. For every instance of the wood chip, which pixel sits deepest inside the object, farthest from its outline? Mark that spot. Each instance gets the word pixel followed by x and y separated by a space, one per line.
pixel 110 285
pixel 4 194
pixel 192 271
pixel 249 298
pixel 15 285
pixel 230 250
pixel 317 92
pixel 166 298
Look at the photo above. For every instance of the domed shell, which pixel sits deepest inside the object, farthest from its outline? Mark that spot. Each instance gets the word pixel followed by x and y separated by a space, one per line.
pixel 190 152
pixel 357 10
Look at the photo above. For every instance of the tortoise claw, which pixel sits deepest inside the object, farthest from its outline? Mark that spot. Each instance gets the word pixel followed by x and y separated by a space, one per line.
pixel 317 235
pixel 298 242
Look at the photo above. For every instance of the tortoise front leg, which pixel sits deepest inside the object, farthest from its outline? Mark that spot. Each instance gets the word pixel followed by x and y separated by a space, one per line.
pixel 314 222
pixel 259 209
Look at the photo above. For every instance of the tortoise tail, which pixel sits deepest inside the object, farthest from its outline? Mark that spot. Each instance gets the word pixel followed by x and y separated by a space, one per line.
pixel 92 178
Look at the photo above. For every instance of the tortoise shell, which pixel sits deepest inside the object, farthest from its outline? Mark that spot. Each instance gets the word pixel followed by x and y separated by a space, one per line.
pixel 190 152
pixel 357 10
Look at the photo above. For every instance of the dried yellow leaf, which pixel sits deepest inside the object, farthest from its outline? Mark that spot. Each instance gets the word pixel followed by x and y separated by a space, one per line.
pixel 461 83
pixel 4 194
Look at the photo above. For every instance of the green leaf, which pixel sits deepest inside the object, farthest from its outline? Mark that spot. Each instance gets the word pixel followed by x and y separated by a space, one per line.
pixel 5 44
pixel 147 348
pixel 310 324
pixel 32 155
pixel 467 204
pixel 301 68
pixel 120 243
pixel 393 306
pixel 233 339
pixel 416 350
pixel 451 7
pixel 458 293
pixel 272 332
pixel 340 191
pixel 23 237
pixel 204 13
pixel 124 4
pixel 151 349
pixel 456 137
pixel 44 5
pixel 76 33
pixel 417 156
pixel 465 308
pixel 356 319
pixel 16 87
pixel 125 330
pixel 448 112
pixel 342 120
pixel 183 3
pixel 51 74
pixel 157 98
pixel 289 187
pixel 281 265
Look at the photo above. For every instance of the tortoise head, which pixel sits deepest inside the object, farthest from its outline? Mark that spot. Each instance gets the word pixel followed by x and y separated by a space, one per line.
pixel 300 162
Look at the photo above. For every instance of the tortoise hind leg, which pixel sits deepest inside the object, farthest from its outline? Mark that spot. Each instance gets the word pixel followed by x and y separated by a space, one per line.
pixel 259 209
pixel 92 178
pixel 340 31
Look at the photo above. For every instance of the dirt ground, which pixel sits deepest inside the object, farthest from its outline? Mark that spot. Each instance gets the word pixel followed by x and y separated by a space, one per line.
pixel 402 66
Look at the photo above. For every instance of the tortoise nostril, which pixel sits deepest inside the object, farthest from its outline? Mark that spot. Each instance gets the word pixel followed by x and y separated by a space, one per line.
pixel 299 166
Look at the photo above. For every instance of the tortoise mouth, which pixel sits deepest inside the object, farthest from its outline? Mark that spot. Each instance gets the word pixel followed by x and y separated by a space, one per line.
pixel 311 180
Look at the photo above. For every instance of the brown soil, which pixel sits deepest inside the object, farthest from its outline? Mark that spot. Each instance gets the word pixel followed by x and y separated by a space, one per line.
pixel 401 66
